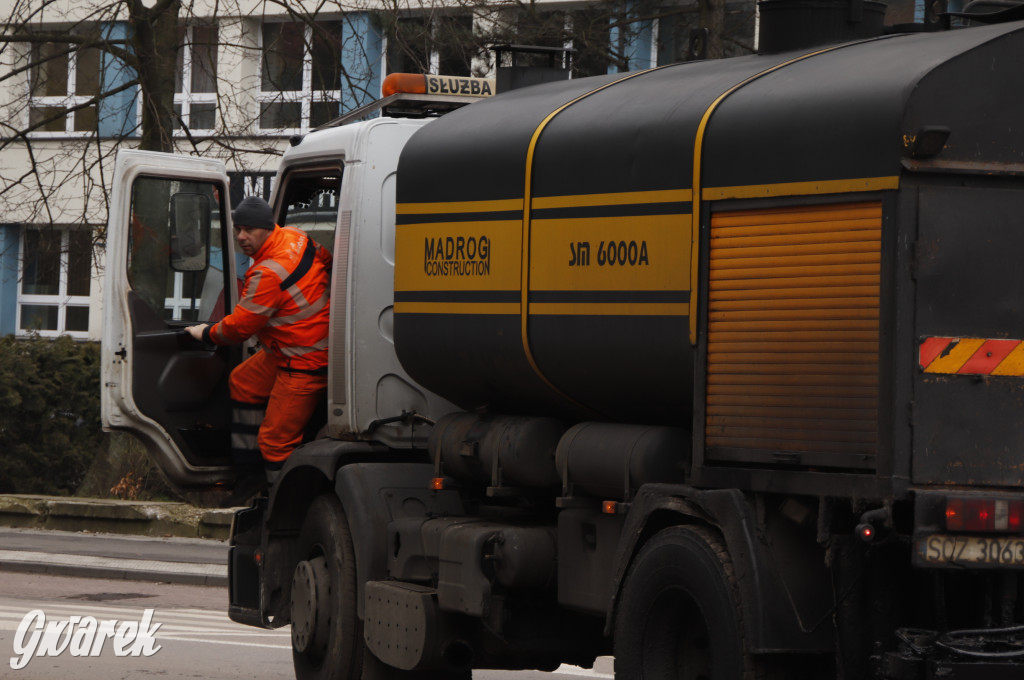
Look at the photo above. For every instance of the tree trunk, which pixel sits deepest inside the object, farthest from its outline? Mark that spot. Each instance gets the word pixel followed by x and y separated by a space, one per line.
pixel 712 17
pixel 155 42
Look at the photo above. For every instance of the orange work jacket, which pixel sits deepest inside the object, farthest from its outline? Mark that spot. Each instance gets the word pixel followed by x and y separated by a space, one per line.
pixel 285 302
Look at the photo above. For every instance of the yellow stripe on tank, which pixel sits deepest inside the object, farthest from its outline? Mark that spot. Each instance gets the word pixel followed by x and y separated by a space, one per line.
pixel 697 186
pixel 609 253
pixel 502 308
pixel 441 208
pixel 839 186
pixel 458 256
pixel 527 194
pixel 618 198
pixel 610 308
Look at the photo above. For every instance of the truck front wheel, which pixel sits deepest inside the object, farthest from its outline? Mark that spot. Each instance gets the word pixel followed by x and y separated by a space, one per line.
pixel 327 636
pixel 679 616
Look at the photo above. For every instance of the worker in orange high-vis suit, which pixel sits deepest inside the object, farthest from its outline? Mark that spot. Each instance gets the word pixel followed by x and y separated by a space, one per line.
pixel 285 303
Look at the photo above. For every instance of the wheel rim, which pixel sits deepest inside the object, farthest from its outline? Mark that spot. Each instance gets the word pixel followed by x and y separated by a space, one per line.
pixel 310 607
pixel 676 639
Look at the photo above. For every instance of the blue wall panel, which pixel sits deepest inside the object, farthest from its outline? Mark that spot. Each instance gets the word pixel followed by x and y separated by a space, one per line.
pixel 9 246
pixel 116 112
pixel 634 39
pixel 361 51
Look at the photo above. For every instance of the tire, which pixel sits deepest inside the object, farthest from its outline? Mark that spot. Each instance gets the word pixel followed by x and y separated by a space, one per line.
pixel 679 616
pixel 327 635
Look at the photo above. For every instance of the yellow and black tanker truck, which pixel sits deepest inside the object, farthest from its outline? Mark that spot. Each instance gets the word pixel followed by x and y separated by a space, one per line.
pixel 716 368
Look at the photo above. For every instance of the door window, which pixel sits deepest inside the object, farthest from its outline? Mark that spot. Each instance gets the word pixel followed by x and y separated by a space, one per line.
pixel 311 203
pixel 175 249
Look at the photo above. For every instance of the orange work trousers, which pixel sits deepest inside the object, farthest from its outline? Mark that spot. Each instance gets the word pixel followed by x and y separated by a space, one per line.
pixel 290 398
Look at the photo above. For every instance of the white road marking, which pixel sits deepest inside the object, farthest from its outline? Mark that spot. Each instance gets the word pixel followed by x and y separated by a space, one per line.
pixel 197 626
pixel 184 625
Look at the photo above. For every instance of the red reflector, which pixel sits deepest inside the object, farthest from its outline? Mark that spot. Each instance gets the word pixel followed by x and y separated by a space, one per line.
pixel 955 514
pixel 979 514
pixel 608 507
pixel 1014 514
pixel 437 483
pixel 984 514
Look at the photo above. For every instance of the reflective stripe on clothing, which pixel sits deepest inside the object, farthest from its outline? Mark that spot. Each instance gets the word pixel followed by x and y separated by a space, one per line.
pixel 311 310
pixel 285 302
pixel 290 400
pixel 303 351
pixel 245 426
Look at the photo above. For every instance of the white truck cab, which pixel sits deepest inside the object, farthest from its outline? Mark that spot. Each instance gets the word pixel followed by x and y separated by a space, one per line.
pixel 172 262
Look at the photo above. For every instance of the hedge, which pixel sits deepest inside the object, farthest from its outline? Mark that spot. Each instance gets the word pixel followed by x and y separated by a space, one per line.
pixel 50 429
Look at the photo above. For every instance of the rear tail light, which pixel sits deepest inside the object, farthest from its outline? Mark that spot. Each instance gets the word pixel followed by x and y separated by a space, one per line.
pixel 984 514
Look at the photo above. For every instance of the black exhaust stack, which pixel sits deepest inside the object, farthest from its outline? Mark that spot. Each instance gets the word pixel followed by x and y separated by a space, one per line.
pixel 524 65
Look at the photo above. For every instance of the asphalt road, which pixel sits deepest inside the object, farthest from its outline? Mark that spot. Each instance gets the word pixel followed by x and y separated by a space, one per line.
pixel 194 637
pixel 188 561
pixel 118 578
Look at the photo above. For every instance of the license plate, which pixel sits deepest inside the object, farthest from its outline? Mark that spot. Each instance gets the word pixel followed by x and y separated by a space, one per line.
pixel 976 551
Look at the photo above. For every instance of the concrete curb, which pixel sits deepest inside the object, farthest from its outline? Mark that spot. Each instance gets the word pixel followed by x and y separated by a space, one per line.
pixel 119 570
pixel 140 518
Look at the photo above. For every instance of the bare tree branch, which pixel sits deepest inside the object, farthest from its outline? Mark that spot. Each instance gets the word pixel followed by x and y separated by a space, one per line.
pixel 67 177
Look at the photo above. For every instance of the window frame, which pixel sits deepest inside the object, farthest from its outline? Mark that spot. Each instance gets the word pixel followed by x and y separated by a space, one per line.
pixel 300 175
pixel 306 96
pixel 184 100
pixel 61 300
pixel 67 101
pixel 177 304
pixel 434 45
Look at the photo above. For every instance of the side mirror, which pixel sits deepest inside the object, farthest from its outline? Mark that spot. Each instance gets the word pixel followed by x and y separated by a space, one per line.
pixel 190 232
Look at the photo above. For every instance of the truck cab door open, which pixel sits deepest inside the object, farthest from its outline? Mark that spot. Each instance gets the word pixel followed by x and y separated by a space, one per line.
pixel 169 265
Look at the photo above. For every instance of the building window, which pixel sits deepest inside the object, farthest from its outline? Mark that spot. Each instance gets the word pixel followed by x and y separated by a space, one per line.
pixel 442 44
pixel 300 75
pixel 56 277
pixel 195 81
pixel 183 296
pixel 585 31
pixel 679 36
pixel 64 81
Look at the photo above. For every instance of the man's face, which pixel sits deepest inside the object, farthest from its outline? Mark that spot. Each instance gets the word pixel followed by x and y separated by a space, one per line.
pixel 250 239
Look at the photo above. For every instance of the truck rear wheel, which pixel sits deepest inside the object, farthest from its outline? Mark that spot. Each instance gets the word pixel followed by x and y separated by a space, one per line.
pixel 679 616
pixel 327 635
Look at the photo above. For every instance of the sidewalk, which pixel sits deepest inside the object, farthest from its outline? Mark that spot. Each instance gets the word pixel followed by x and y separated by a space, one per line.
pixel 189 561
pixel 98 538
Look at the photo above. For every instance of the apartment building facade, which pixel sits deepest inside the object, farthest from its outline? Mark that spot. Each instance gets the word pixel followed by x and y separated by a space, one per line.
pixel 249 75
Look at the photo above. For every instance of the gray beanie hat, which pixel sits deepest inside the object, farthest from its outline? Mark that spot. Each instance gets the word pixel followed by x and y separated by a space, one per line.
pixel 253 212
